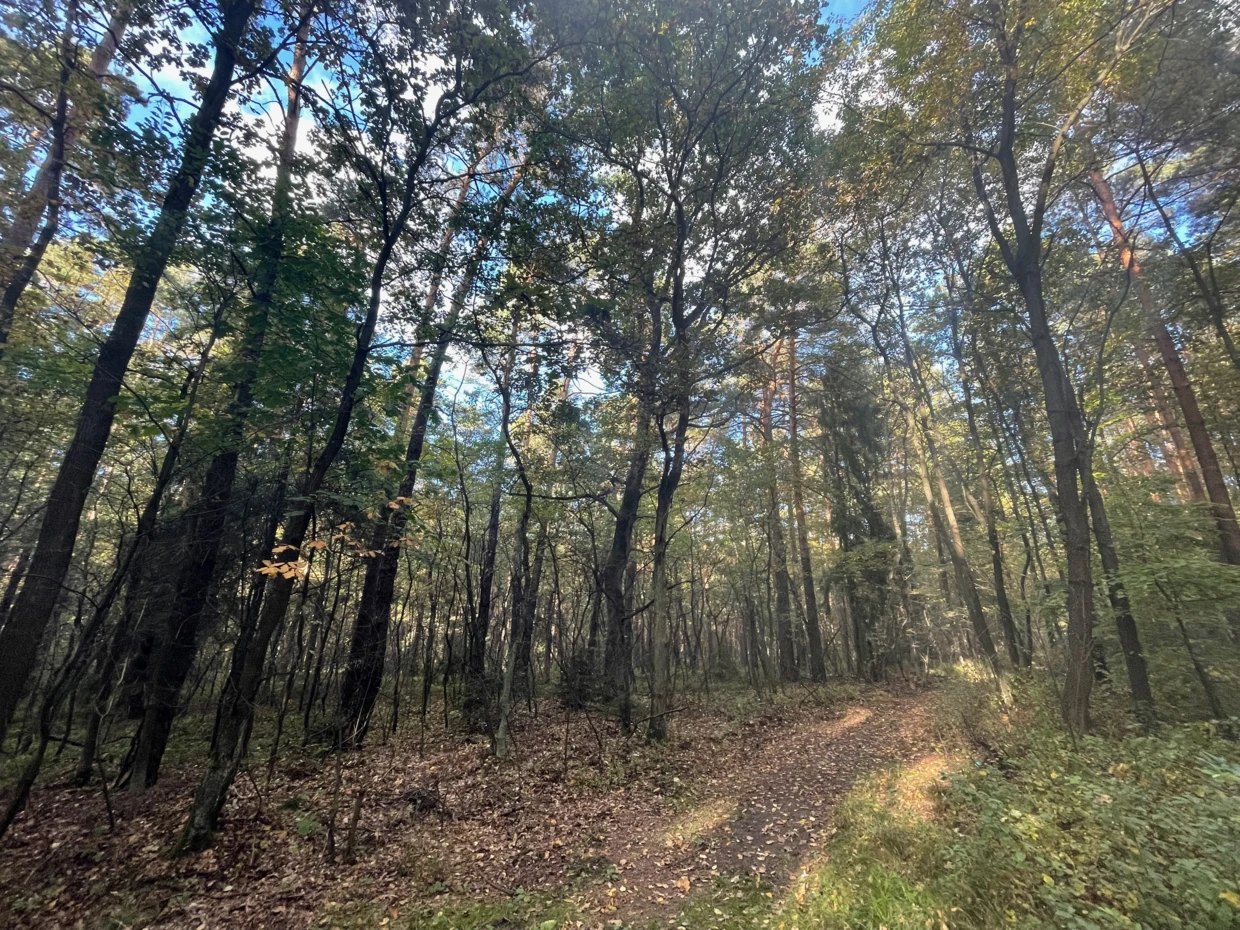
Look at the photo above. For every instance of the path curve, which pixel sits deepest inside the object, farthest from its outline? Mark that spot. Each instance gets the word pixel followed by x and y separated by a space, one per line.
pixel 761 813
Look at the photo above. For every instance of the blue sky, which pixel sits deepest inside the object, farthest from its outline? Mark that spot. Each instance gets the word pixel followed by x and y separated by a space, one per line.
pixel 845 9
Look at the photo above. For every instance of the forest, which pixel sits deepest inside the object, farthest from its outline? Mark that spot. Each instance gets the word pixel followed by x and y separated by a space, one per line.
pixel 704 464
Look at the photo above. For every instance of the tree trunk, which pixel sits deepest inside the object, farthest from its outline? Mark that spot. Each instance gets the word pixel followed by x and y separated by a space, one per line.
pixel 775 533
pixel 813 628
pixel 364 673
pixel 368 644
pixel 949 529
pixel 1206 287
pixel 19 640
pixel 661 634
pixel 120 641
pixel 205 519
pixel 477 696
pixel 43 196
pixel 1203 444
pixel 236 710
pixel 1018 651
pixel 1060 404
pixel 521 589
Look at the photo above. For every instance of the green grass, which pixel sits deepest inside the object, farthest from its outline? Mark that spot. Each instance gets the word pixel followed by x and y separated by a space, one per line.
pixel 1124 831
pixel 520 912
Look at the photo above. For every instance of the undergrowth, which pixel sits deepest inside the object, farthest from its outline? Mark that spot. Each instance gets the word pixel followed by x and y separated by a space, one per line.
pixel 1122 831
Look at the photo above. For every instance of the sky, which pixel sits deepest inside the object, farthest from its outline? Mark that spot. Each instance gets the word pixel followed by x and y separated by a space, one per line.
pixel 846 10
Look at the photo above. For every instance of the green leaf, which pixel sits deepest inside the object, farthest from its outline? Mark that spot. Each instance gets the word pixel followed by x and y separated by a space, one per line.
pixel 307 825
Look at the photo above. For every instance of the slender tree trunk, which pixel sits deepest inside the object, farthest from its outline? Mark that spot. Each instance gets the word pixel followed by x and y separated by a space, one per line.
pixel 236 711
pixel 1125 624
pixel 477 697
pixel 1206 288
pixel 21 252
pixel 618 653
pixel 1024 264
pixel 1180 457
pixel 1203 444
pixel 949 529
pixel 76 661
pixel 775 532
pixel 121 636
pixel 368 645
pixel 813 628
pixel 205 519
pixel 1060 405
pixel 521 592
pixel 1018 651
pixel 661 633
pixel 618 650
pixel 364 673
pixel 17 571
pixel 20 637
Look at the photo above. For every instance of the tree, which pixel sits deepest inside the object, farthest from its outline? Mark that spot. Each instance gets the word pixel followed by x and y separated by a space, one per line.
pixel 33 608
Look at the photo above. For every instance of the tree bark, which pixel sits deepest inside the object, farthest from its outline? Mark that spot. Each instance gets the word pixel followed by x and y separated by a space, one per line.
pixel 521 577
pixel 661 634
pixel 1206 287
pixel 477 697
pixel 1185 394
pixel 813 627
pixel 205 519
pixel 945 522
pixel 367 649
pixel 775 533
pixel 19 640
pixel 43 197
pixel 618 653
pixel 236 711
pixel 145 530
pixel 368 644
pixel 1018 651
pixel 1024 264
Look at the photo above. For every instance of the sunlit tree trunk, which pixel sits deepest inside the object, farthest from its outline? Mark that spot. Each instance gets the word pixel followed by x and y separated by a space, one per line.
pixel 21 252
pixel 945 523
pixel 775 533
pixel 1018 651
pixel 1186 395
pixel 1179 456
pixel 1206 281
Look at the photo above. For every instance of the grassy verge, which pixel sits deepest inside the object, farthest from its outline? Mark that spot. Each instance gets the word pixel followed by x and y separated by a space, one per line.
pixel 1124 831
pixel 1021 829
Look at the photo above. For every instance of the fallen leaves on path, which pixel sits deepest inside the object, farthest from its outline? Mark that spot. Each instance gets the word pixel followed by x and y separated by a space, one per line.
pixel 767 804
pixel 628 829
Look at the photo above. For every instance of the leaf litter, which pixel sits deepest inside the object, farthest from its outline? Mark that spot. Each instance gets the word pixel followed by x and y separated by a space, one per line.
pixel 626 830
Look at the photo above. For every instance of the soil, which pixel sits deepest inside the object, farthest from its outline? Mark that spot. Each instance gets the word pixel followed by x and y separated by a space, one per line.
pixel 627 830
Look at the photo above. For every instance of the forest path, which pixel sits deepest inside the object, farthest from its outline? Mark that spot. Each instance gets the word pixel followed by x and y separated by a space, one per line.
pixel 761 811
pixel 629 832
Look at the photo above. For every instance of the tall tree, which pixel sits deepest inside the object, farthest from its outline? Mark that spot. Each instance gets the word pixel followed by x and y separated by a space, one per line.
pixel 36 603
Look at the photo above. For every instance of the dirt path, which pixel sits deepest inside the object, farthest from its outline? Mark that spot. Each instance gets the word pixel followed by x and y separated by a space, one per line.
pixel 759 812
pixel 628 830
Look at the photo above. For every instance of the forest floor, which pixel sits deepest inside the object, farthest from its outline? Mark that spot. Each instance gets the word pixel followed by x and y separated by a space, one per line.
pixel 583 828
